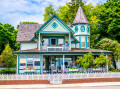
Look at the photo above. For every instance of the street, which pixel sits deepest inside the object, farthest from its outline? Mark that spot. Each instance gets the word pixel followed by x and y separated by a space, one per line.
pixel 96 87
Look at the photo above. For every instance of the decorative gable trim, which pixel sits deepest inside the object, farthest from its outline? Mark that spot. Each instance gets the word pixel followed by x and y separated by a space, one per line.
pixel 50 20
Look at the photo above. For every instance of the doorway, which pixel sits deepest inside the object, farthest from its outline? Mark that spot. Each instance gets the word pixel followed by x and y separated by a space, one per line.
pixel 53 41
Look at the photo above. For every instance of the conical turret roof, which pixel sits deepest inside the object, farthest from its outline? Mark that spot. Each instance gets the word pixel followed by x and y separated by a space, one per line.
pixel 80 17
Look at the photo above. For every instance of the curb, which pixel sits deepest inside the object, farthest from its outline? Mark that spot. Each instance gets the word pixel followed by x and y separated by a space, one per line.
pixel 60 86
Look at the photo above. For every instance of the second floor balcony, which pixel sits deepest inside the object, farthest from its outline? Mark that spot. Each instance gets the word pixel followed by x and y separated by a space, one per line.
pixel 55 47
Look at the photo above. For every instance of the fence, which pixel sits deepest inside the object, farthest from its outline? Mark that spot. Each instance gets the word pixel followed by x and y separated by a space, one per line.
pixel 57 78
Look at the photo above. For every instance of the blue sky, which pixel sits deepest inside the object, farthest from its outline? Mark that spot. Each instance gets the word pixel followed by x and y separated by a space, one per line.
pixel 15 11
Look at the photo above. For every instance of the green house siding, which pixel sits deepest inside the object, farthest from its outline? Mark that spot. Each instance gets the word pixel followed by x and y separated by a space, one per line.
pixel 59 27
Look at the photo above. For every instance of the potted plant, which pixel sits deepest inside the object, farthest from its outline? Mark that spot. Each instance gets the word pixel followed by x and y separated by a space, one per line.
pixel 42 42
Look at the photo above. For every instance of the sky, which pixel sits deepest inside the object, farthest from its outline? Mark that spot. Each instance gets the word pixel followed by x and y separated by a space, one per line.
pixel 15 11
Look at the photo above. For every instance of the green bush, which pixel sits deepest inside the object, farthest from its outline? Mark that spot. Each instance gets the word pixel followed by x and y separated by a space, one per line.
pixel 113 70
pixel 6 71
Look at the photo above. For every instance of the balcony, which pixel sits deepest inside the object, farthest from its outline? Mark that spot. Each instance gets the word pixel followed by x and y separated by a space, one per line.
pixel 55 48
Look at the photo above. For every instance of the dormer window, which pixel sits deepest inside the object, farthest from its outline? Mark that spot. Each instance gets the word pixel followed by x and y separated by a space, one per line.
pixel 82 28
pixel 76 29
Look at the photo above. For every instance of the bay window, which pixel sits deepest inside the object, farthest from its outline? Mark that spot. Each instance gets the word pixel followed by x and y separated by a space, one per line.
pixel 30 61
pixel 88 45
pixel 82 41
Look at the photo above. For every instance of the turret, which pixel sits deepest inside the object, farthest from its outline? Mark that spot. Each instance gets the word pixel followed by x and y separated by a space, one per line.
pixel 81 27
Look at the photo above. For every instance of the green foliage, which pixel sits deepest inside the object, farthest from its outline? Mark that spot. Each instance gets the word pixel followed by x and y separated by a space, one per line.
pixel 49 12
pixel 110 20
pixel 110 45
pixel 101 61
pixel 113 70
pixel 30 23
pixel 8 35
pixel 86 60
pixel 7 59
pixel 6 71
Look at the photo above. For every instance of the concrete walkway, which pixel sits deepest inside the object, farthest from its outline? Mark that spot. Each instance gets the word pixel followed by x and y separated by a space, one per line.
pixel 60 86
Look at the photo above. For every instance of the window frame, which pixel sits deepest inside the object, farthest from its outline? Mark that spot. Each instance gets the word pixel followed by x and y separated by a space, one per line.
pixel 75 29
pixel 81 28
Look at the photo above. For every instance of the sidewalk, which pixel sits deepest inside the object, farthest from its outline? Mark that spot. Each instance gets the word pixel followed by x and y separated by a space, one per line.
pixel 60 86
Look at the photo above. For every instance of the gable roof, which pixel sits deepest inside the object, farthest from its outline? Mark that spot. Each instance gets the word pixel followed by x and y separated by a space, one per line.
pixel 26 31
pixel 80 17
pixel 55 16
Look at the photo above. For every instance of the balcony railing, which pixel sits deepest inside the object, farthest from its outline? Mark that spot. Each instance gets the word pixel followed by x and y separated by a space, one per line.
pixel 55 48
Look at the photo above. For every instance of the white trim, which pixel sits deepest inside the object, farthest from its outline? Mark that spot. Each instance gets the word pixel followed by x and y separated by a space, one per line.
pixel 69 41
pixel 39 42
pixel 107 63
pixel 63 62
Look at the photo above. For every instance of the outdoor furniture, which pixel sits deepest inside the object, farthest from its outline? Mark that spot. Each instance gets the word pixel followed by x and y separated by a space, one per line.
pixel 54 70
pixel 73 70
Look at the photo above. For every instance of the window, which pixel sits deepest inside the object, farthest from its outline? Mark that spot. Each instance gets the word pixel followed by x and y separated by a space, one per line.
pixel 36 62
pixel 45 41
pixel 30 61
pixel 82 28
pixel 53 41
pixel 61 41
pixel 88 45
pixel 88 29
pixel 22 62
pixel 76 29
pixel 82 41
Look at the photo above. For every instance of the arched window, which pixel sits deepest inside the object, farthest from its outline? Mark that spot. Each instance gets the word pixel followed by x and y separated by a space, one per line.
pixel 88 29
pixel 76 29
pixel 82 28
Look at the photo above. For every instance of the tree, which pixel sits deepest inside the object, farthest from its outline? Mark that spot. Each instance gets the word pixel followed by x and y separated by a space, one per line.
pixel 110 20
pixel 101 61
pixel 86 60
pixel 31 22
pixel 8 36
pixel 49 12
pixel 4 37
pixel 110 45
pixel 7 59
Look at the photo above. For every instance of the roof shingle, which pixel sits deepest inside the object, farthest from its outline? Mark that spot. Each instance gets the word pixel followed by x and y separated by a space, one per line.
pixel 26 31
pixel 80 17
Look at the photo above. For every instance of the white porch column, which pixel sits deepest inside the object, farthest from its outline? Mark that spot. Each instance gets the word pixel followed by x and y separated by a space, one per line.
pixel 63 63
pixel 41 63
pixel 69 41
pixel 107 63
pixel 39 42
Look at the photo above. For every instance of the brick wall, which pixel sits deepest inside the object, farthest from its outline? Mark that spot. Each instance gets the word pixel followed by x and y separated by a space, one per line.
pixel 17 82
pixel 90 80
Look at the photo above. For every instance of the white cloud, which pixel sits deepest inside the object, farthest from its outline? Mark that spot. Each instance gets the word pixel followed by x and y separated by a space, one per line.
pixel 95 2
pixel 14 11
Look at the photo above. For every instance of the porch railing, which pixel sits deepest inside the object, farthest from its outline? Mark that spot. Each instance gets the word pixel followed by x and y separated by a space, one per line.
pixel 54 48
pixel 61 76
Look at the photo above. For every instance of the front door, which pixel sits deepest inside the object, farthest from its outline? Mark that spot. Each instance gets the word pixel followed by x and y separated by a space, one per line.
pixel 53 41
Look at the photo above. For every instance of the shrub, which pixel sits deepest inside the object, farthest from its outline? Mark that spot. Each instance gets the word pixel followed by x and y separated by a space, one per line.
pixel 113 70
pixel 6 71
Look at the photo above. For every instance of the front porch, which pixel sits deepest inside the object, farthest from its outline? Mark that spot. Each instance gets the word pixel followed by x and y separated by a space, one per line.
pixel 35 64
